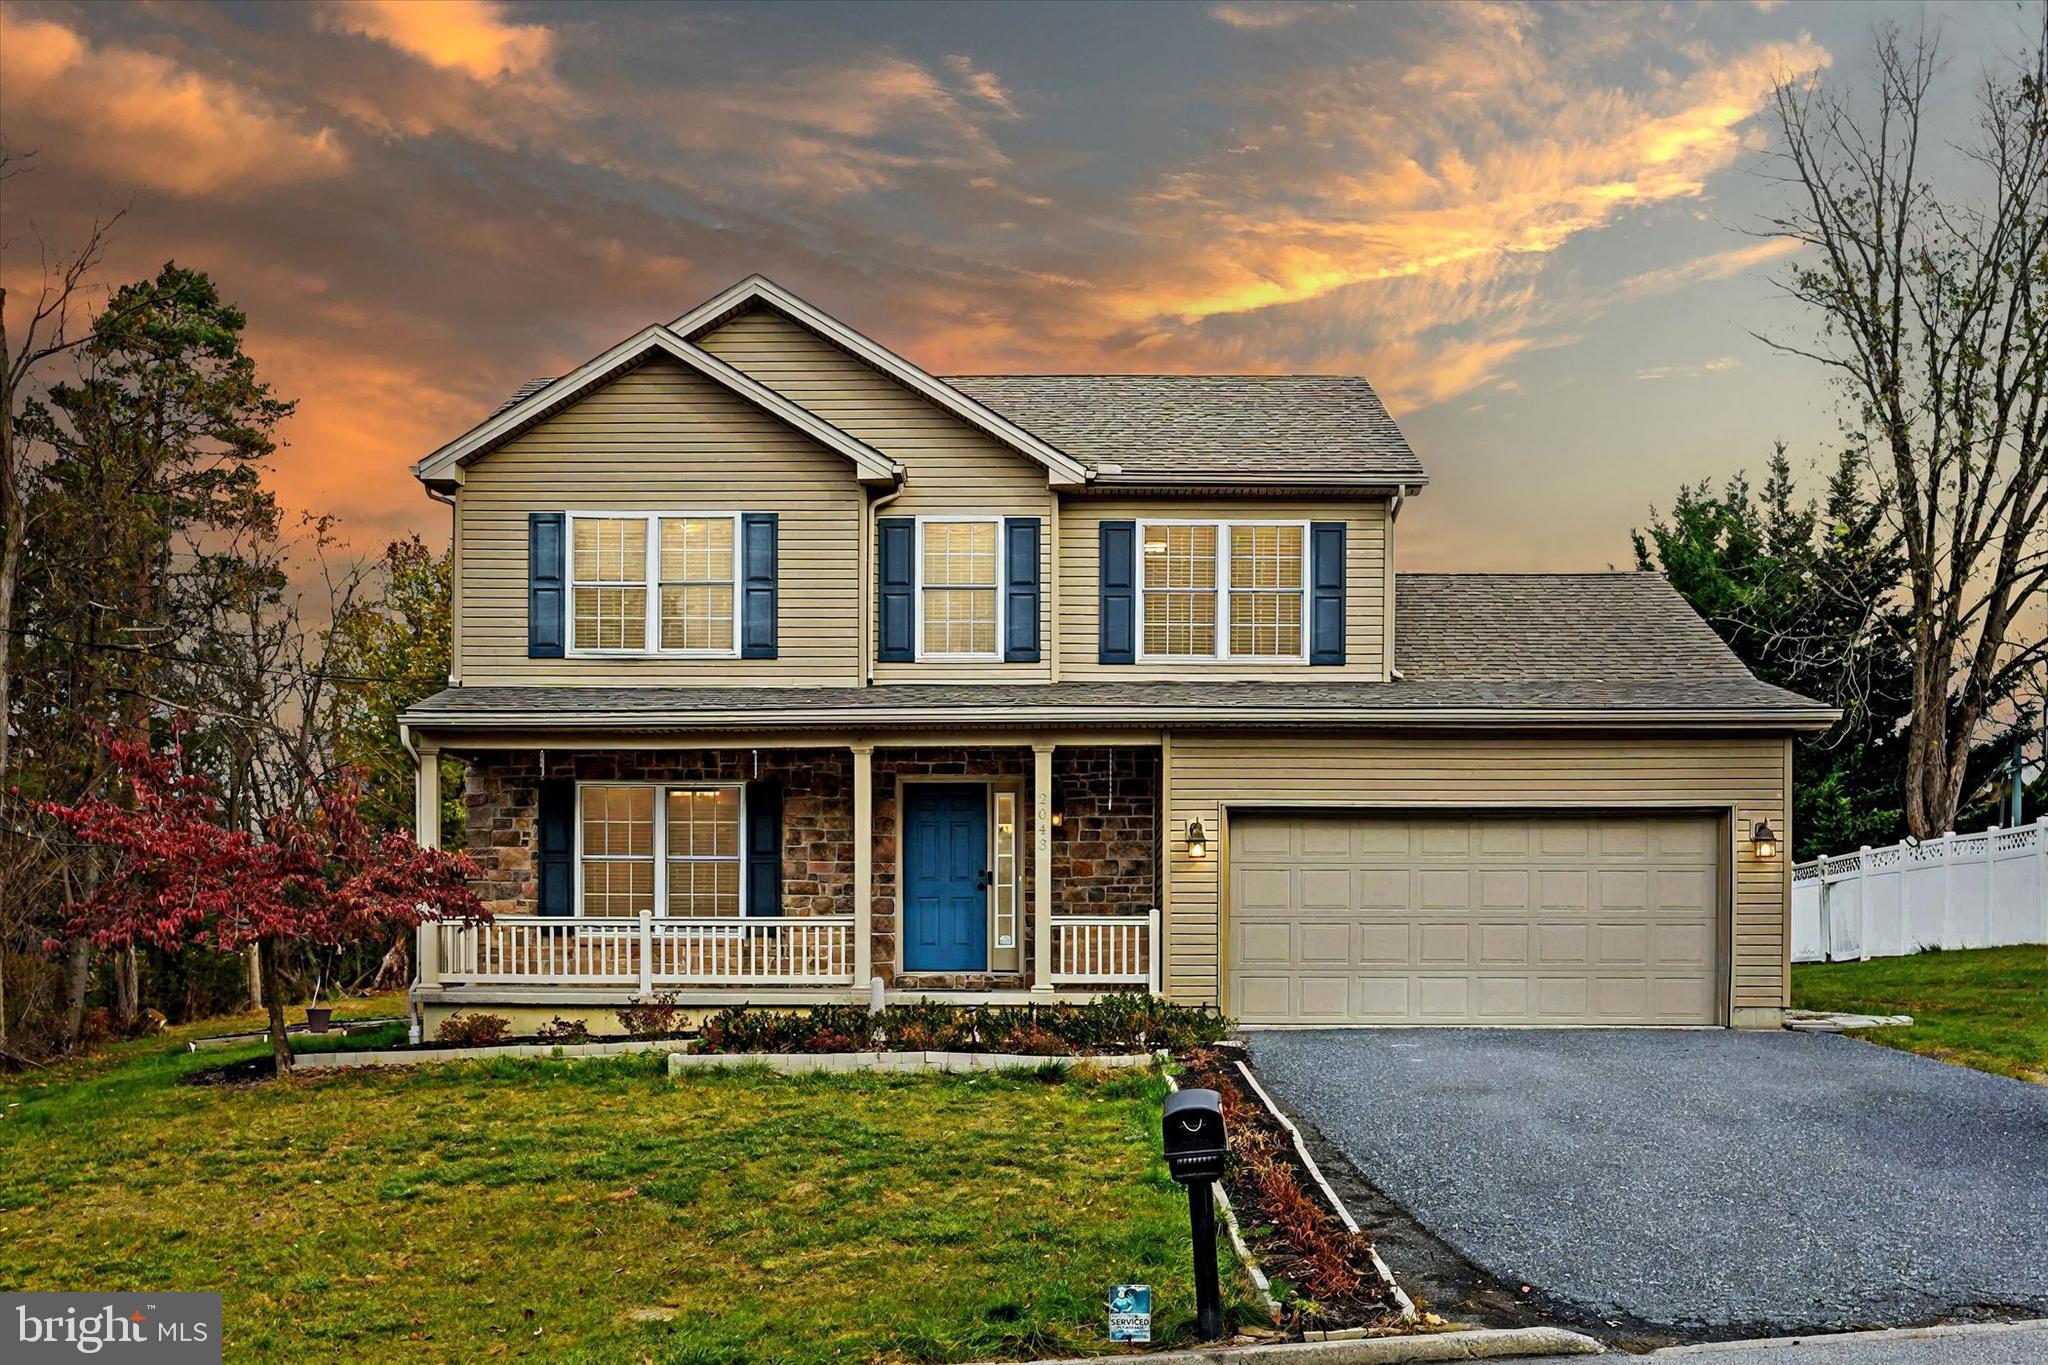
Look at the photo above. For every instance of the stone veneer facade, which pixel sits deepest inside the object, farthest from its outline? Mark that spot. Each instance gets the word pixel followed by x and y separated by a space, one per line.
pixel 1105 850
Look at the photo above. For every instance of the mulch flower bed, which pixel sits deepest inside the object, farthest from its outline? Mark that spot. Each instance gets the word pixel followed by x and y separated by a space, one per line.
pixel 1322 1272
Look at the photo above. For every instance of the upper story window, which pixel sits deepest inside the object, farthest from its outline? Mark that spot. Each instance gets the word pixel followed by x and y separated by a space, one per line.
pixel 959 602
pixel 663 578
pixel 1222 590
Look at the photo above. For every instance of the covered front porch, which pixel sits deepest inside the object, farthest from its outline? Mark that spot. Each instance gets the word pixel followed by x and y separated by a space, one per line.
pixel 793 871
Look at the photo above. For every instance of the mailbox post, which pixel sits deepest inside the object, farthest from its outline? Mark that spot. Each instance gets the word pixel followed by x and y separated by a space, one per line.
pixel 1196 1147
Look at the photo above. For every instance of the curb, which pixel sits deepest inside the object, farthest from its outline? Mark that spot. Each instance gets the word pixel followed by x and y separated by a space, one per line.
pixel 800 1063
pixel 1961 1329
pixel 1487 1344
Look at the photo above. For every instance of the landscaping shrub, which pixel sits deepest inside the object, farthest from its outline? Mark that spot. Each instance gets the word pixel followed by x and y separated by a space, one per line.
pixel 560 1030
pixel 1113 1024
pixel 473 1030
pixel 657 1016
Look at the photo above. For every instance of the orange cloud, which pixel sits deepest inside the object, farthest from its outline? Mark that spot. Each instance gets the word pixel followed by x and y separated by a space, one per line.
pixel 142 119
pixel 470 36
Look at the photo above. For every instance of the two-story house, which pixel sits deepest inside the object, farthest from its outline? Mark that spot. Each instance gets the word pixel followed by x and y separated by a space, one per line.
pixel 782 667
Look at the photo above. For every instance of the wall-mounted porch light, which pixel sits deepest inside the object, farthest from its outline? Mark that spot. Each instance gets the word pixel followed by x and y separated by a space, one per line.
pixel 1764 840
pixel 1198 841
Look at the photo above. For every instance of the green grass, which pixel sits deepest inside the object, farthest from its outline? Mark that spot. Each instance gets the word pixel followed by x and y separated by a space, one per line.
pixel 538 1208
pixel 1980 1007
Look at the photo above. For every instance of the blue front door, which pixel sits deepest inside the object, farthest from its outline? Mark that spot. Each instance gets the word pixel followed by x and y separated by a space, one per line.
pixel 945 877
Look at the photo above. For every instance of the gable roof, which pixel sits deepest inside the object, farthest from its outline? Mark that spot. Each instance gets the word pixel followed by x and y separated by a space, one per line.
pixel 1174 428
pixel 1605 633
pixel 760 291
pixel 532 403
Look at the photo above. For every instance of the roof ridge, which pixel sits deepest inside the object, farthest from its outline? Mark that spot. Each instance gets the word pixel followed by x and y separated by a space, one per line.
pixel 1151 374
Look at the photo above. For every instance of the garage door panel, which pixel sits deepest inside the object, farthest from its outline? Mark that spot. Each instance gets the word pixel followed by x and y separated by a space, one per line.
pixel 1475 918
pixel 1504 889
pixel 1501 944
pixel 1380 944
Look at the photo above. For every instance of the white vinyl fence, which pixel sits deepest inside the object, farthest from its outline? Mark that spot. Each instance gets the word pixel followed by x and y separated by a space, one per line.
pixel 1958 891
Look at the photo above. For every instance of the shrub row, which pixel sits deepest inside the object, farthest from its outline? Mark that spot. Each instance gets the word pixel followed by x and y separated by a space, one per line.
pixel 1111 1024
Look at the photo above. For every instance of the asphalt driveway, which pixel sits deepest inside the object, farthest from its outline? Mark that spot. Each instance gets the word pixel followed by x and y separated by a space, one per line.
pixel 1695 1179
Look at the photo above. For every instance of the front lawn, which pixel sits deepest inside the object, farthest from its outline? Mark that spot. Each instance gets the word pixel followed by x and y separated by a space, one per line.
pixel 596 1210
pixel 1981 1007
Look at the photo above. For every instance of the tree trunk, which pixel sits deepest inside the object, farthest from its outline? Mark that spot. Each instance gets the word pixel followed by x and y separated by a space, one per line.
pixel 273 1001
pixel 127 986
pixel 77 975
pixel 254 957
pixel 10 574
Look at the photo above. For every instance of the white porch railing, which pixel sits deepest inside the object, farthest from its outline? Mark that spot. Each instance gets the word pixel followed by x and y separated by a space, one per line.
pixel 648 952
pixel 1106 950
pixel 1959 891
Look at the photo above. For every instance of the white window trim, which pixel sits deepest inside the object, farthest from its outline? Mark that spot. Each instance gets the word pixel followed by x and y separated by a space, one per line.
pixel 660 845
pixel 652 583
pixel 1222 654
pixel 919 652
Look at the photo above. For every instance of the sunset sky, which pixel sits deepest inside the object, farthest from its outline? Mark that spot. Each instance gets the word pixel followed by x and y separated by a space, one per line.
pixel 1522 223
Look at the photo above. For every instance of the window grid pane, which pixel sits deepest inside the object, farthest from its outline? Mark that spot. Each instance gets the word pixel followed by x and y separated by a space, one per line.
pixel 696 583
pixel 1180 596
pixel 703 852
pixel 618 850
pixel 959 587
pixel 1265 556
pixel 1265 624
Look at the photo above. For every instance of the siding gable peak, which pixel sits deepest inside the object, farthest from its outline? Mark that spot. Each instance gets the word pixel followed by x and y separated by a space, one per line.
pixel 1062 470
pixel 443 468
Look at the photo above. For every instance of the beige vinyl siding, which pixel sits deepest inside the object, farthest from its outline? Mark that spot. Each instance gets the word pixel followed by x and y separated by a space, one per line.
pixel 1709 773
pixel 952 469
pixel 663 438
pixel 1365 580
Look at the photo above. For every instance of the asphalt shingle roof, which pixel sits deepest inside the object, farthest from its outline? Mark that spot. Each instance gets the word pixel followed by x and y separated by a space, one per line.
pixel 1133 427
pixel 1478 647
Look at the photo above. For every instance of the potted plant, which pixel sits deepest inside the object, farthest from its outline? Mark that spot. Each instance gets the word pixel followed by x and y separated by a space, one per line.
pixel 319 1017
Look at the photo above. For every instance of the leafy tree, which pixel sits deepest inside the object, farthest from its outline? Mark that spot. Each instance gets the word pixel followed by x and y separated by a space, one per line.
pixel 1805 594
pixel 150 482
pixel 178 876
pixel 386 654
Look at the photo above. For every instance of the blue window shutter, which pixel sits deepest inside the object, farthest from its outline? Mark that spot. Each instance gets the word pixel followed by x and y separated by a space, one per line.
pixel 554 864
pixel 544 585
pixel 757 585
pixel 1326 592
pixel 896 587
pixel 1020 588
pixel 764 848
pixel 1118 543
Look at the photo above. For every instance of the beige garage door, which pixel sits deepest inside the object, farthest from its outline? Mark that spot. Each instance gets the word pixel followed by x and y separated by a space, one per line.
pixel 1461 918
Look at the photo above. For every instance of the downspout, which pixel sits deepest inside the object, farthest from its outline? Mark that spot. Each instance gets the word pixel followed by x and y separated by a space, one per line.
pixel 454 565
pixel 1387 617
pixel 863 589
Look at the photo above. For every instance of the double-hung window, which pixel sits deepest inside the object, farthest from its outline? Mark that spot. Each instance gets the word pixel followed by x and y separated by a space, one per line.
pixel 671 850
pixel 1217 590
pixel 959 596
pixel 653 583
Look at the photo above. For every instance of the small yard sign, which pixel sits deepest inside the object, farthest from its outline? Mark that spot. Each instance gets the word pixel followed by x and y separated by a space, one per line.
pixel 1130 1312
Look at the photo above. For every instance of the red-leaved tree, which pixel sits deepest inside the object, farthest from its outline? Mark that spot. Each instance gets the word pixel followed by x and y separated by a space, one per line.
pixel 181 878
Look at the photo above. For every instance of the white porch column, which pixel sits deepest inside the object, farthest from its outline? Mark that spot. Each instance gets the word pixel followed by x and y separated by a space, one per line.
pixel 426 826
pixel 1041 869
pixel 863 865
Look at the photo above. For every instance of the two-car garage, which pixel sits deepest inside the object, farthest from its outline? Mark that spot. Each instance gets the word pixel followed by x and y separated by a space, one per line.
pixel 1477 917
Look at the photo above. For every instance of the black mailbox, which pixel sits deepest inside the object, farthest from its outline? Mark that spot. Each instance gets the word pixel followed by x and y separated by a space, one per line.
pixel 1194 1138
